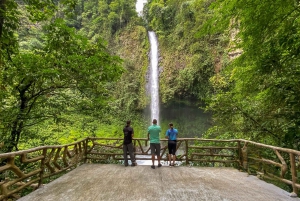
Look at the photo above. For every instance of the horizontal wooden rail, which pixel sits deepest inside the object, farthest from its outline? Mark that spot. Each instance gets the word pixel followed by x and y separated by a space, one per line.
pixel 27 168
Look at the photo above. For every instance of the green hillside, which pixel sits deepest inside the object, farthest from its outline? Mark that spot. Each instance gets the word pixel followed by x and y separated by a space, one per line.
pixel 77 68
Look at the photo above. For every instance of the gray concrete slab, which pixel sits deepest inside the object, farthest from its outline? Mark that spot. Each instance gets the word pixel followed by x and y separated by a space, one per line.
pixel 95 182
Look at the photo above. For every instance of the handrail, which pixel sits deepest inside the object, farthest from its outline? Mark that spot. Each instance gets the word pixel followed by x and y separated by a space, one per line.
pixel 271 147
pixel 31 168
pixel 39 148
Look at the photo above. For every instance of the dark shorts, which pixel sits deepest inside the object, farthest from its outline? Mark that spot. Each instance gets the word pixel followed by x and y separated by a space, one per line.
pixel 172 147
pixel 155 148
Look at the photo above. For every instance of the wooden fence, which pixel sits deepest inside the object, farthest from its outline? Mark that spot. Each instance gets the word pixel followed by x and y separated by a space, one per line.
pixel 27 170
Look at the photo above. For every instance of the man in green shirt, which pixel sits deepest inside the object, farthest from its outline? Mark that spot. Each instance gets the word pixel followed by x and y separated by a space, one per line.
pixel 153 135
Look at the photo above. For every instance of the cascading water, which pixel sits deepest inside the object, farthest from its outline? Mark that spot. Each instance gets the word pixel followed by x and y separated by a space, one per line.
pixel 189 114
pixel 154 86
pixel 153 81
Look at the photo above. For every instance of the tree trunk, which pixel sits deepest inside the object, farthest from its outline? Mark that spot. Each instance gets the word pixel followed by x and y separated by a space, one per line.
pixel 2 14
pixel 17 125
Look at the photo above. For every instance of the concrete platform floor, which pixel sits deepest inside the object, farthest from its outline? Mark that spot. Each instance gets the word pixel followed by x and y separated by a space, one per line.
pixel 95 182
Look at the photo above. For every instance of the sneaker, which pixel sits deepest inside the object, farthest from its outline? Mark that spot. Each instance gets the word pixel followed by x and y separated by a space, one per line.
pixel 159 165
pixel 152 166
pixel 126 165
pixel 134 164
pixel 170 165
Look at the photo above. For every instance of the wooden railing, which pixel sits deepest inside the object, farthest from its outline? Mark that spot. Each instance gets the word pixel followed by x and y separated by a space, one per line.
pixel 188 150
pixel 273 163
pixel 24 170
pixel 29 169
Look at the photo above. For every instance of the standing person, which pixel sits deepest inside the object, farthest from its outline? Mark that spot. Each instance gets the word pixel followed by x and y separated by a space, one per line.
pixel 127 144
pixel 153 135
pixel 171 135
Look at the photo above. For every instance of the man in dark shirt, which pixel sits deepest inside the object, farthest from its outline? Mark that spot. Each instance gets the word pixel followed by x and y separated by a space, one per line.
pixel 127 144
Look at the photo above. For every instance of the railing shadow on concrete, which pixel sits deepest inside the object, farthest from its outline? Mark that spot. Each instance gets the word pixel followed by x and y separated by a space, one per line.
pixel 29 169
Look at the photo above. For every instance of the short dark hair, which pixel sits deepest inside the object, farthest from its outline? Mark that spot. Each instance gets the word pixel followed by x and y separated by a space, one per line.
pixel 128 122
pixel 171 124
pixel 154 121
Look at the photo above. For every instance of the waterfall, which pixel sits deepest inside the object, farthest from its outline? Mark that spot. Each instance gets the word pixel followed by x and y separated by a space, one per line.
pixel 153 85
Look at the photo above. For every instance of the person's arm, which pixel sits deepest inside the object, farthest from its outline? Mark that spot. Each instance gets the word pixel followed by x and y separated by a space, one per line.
pixel 148 136
pixel 167 134
pixel 132 134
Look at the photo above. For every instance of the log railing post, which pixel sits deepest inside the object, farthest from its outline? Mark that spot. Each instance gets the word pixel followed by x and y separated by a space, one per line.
pixel 134 148
pixel 186 152
pixel 42 167
pixel 240 155
pixel 85 144
pixel 245 157
pixel 294 175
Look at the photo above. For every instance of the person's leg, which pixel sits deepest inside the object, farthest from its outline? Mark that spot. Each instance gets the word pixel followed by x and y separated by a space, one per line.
pixel 125 155
pixel 174 153
pixel 152 148
pixel 158 159
pixel 157 146
pixel 131 154
pixel 173 150
pixel 170 151
pixel 174 158
pixel 153 159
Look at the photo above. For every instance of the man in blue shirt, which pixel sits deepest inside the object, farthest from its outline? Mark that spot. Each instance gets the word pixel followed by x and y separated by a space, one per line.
pixel 153 135
pixel 171 135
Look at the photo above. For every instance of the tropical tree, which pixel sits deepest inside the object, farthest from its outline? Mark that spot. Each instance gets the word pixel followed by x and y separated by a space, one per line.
pixel 65 74
pixel 257 95
pixel 102 19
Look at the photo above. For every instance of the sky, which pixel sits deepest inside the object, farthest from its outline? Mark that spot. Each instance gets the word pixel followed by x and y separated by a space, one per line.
pixel 139 6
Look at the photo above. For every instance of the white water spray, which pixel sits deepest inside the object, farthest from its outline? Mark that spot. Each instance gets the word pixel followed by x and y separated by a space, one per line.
pixel 154 85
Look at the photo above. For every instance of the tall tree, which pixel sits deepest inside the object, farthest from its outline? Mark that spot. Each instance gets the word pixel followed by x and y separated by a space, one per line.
pixel 38 10
pixel 102 19
pixel 67 73
pixel 258 94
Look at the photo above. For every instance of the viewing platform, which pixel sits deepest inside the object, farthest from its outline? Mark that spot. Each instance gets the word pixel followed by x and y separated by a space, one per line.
pixel 95 182
pixel 211 169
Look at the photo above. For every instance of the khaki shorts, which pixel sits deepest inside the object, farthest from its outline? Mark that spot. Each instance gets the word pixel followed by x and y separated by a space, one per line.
pixel 155 148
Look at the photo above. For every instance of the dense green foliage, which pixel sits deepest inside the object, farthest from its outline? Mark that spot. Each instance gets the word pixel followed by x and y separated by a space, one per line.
pixel 257 94
pixel 188 62
pixel 253 96
pixel 76 68
pixel 117 22
pixel 71 69
pixel 64 74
